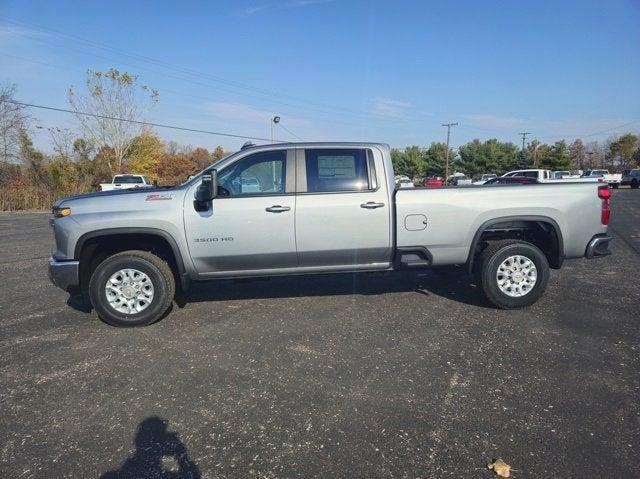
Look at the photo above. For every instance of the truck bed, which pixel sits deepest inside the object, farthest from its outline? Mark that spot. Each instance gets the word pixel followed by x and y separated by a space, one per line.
pixel 445 221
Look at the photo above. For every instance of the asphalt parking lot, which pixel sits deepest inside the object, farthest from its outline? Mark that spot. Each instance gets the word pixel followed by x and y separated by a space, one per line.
pixel 331 376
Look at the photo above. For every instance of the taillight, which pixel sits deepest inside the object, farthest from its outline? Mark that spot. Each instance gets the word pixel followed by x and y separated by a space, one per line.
pixel 604 193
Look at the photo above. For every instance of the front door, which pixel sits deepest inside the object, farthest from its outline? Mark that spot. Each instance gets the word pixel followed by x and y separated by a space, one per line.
pixel 250 227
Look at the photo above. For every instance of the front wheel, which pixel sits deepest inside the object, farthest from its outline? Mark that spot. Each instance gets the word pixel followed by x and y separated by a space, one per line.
pixel 635 184
pixel 513 274
pixel 132 288
pixel 615 186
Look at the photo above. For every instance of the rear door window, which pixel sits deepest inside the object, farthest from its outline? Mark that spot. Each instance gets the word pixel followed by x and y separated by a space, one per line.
pixel 334 170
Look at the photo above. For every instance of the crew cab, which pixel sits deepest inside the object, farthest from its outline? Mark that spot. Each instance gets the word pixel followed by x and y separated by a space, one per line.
pixel 315 208
pixel 120 182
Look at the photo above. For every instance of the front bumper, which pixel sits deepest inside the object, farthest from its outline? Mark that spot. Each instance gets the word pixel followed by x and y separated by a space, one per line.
pixel 598 246
pixel 64 274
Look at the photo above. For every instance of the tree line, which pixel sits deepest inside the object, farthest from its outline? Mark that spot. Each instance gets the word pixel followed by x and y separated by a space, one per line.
pixel 492 156
pixel 104 145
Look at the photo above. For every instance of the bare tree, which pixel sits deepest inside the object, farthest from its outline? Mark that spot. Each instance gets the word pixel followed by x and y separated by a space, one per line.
pixel 62 141
pixel 13 120
pixel 111 97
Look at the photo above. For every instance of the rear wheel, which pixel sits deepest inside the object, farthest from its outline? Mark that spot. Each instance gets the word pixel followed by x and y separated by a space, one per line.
pixel 132 288
pixel 513 274
pixel 615 185
pixel 635 184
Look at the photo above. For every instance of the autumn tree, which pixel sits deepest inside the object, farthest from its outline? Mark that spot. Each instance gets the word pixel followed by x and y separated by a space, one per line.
pixel 174 169
pixel 144 154
pixel 218 154
pixel 106 112
pixel 200 157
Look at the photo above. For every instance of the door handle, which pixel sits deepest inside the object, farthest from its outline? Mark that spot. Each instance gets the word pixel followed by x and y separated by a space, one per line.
pixel 371 205
pixel 277 209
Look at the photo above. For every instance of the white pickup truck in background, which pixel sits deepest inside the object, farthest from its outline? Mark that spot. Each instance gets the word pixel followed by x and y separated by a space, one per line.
pixel 613 179
pixel 123 182
pixel 547 176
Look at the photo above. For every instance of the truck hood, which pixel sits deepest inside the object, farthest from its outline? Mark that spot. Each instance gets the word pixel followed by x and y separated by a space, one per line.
pixel 118 193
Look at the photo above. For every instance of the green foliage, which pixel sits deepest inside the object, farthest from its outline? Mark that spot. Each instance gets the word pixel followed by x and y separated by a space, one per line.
pixel 491 156
pixel 626 149
pixel 557 157
pixel 414 161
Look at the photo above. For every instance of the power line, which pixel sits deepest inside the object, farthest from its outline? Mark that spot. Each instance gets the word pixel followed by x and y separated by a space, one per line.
pixel 269 94
pixel 146 123
pixel 290 132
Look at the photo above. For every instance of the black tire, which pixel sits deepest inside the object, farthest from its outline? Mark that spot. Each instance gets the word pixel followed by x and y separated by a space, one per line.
pixel 491 259
pixel 635 184
pixel 615 186
pixel 157 270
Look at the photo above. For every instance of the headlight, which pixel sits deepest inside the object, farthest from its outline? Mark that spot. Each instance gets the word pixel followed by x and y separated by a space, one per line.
pixel 59 212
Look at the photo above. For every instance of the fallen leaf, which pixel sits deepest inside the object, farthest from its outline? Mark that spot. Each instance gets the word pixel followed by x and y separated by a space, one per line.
pixel 500 467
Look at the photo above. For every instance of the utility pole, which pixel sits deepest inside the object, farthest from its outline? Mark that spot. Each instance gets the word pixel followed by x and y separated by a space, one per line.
pixel 524 136
pixel 446 171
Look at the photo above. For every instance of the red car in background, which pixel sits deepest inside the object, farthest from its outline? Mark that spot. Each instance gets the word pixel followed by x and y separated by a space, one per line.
pixel 433 183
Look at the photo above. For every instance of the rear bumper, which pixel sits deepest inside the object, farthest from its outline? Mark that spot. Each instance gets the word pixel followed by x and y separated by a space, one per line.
pixel 64 274
pixel 598 246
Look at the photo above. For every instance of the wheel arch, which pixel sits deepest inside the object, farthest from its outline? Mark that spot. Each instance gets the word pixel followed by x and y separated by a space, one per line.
pixel 555 257
pixel 127 238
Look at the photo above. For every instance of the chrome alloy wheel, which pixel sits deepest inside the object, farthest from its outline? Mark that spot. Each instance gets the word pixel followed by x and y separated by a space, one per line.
pixel 129 291
pixel 516 276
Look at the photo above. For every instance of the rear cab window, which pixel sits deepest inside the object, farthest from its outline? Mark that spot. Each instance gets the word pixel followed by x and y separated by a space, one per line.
pixel 127 179
pixel 339 169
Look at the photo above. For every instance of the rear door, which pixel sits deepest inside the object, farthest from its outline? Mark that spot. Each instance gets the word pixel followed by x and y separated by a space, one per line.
pixel 343 215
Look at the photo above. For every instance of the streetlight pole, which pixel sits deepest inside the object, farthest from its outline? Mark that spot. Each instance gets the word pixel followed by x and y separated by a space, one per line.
pixel 446 171
pixel 273 122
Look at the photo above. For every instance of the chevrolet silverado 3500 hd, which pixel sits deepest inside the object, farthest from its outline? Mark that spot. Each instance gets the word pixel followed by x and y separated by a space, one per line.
pixel 315 208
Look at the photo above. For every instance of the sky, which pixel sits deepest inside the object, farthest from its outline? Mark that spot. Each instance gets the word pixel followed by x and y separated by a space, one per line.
pixel 338 70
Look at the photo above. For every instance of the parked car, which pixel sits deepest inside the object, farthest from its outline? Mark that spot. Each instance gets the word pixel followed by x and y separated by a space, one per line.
pixel 613 179
pixel 435 182
pixel 631 178
pixel 405 183
pixel 332 208
pixel 512 180
pixel 121 182
pixel 484 178
pixel 566 175
pixel 538 174
pixel 458 179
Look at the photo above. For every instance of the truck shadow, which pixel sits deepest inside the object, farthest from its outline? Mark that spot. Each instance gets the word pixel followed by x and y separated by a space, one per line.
pixel 447 283
pixel 443 283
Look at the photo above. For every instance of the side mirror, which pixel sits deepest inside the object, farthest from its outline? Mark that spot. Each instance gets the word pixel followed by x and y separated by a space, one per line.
pixel 207 190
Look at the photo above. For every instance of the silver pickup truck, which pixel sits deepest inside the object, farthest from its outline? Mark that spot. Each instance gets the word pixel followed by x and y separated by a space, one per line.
pixel 315 208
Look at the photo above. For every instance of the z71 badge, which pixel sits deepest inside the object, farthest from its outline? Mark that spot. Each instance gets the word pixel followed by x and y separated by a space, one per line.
pixel 159 197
